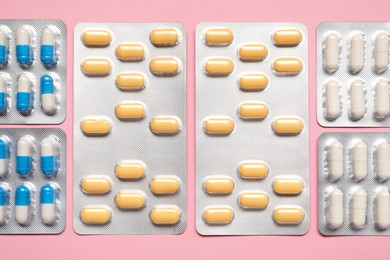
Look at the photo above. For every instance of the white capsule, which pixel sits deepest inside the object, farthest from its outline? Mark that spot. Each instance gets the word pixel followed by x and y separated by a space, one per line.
pixel 356 53
pixel 335 160
pixel 382 99
pixel 334 208
pixel 359 161
pixel 358 208
pixel 381 52
pixel 382 208
pixel 357 100
pixel 332 100
pixel 331 59
pixel 382 161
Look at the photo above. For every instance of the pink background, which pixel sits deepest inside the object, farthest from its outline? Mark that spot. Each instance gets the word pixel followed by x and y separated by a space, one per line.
pixel 190 245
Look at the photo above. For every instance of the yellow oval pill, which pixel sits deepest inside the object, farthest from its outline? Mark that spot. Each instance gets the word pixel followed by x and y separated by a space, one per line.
pixel 130 52
pixel 288 215
pixel 165 125
pixel 253 82
pixel 164 37
pixel 164 66
pixel 287 38
pixel 130 110
pixel 96 38
pixel 130 81
pixel 288 66
pixel 219 185
pixel 97 184
pixel 218 125
pixel 132 199
pixel 95 215
pixel 218 67
pixel 253 52
pixel 96 67
pixel 165 215
pixel 253 200
pixel 161 185
pixel 288 185
pixel 218 215
pixel 253 170
pixel 253 110
pixel 96 126
pixel 287 126
pixel 218 37
pixel 130 170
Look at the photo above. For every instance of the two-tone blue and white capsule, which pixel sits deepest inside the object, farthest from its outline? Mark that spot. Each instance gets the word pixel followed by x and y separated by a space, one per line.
pixel 50 156
pixel 4 203
pixel 4 156
pixel 48 94
pixel 49 203
pixel 23 204
pixel 4 82
pixel 24 156
pixel 24 48
pixel 4 46
pixel 25 94
pixel 49 55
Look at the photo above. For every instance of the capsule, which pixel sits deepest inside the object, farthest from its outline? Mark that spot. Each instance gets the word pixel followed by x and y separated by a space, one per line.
pixel 130 81
pixel 130 170
pixel 288 185
pixel 218 67
pixel 382 208
pixel 165 125
pixel 381 52
pixel 287 66
pixel 165 66
pixel 218 215
pixel 253 110
pixel 382 99
pixel 96 184
pixel 253 200
pixel 24 156
pixel 382 161
pixel 95 215
pixel 252 52
pixel 359 162
pixel 96 38
pixel 98 67
pixel 335 160
pixel 132 199
pixel 218 37
pixel 218 125
pixel 24 95
pixel 23 207
pixel 165 215
pixel 50 156
pixel 4 156
pixel 49 204
pixel 288 215
pixel 130 110
pixel 4 46
pixel 24 48
pixel 287 126
pixel 332 100
pixel 331 58
pixel 253 82
pixel 356 55
pixel 358 208
pixel 3 93
pixel 4 204
pixel 48 95
pixel 287 37
pixel 357 100
pixel 253 170
pixel 130 52
pixel 49 56
pixel 218 185
pixel 96 126
pixel 165 185
pixel 164 37
pixel 334 208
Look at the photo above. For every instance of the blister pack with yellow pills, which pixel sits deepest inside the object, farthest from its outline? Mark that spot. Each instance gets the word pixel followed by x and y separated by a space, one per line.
pixel 129 128
pixel 252 150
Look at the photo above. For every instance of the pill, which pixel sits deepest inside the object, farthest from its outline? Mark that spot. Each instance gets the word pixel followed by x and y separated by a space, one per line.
pixel 288 185
pixel 381 52
pixel 332 100
pixel 357 100
pixel 253 170
pixel 96 184
pixel 130 52
pixel 253 199
pixel 165 125
pixel 133 81
pixel 382 99
pixel 95 215
pixel 4 82
pixel 132 199
pixel 288 215
pixel 130 110
pixel 218 215
pixel 218 67
pixel 4 46
pixel 98 67
pixel 165 215
pixel 164 185
pixel 4 156
pixel 164 66
pixel 4 204
pixel 334 208
pixel 331 52
pixel 218 185
pixel 49 204
pixel 252 52
pixel 24 94
pixel 50 156
pixel 382 208
pixel 287 37
pixel 382 161
pixel 287 126
pixel 218 125
pixel 96 38
pixel 48 95
pixel 359 162
pixel 358 208
pixel 164 37
pixel 356 54
pixel 96 126
pixel 287 66
pixel 335 160
pixel 253 110
pixel 24 48
pixel 23 207
pixel 49 55
pixel 130 170
pixel 253 82
pixel 218 37
pixel 24 156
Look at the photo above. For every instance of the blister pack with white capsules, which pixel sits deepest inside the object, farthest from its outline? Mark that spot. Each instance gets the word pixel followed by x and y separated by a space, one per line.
pixel 32 180
pixel 252 150
pixel 130 128
pixel 353 74
pixel 353 184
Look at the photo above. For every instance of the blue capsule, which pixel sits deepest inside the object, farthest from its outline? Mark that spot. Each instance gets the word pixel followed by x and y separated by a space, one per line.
pixel 4 46
pixel 24 50
pixel 3 93
pixel 48 47
pixel 49 206
pixel 48 96
pixel 24 95
pixel 23 204
pixel 4 156
pixel 24 160
pixel 49 156
pixel 4 203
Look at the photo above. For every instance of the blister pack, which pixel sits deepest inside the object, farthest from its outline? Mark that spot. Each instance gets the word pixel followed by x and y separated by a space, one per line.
pixel 252 151
pixel 129 128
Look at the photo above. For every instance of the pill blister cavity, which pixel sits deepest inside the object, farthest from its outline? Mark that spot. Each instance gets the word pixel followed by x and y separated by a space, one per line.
pixel 96 38
pixel 218 37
